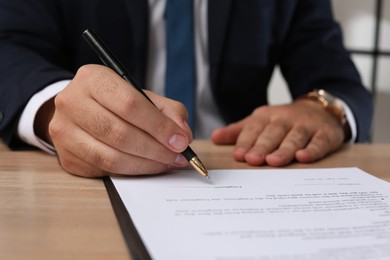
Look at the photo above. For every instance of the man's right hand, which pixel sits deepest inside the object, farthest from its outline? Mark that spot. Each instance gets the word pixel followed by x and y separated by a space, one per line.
pixel 103 126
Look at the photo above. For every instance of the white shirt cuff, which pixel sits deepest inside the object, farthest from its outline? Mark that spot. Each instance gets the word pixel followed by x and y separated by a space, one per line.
pixel 351 121
pixel 26 122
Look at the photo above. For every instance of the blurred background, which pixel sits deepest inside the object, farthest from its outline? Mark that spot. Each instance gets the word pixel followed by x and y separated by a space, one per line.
pixel 366 30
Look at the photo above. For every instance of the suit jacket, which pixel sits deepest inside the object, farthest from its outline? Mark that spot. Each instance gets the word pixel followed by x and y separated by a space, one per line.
pixel 41 43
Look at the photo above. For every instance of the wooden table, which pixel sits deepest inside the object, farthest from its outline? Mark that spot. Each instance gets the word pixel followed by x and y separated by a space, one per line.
pixel 46 213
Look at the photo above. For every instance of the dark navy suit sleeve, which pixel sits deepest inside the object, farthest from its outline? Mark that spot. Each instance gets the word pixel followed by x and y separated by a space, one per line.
pixel 313 56
pixel 30 56
pixel 41 43
pixel 247 39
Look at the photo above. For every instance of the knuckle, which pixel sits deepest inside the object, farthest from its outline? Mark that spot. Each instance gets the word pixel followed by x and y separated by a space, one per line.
pixel 100 77
pixel 252 127
pixel 66 163
pixel 299 141
pixel 104 84
pixel 67 100
pixel 293 144
pixel 165 156
pixel 61 101
pixel 95 158
pixel 301 130
pixel 178 106
pixel 262 110
pixel 141 148
pixel 300 134
pixel 88 73
pixel 105 127
pixel 84 70
pixel 162 157
pixel 321 145
pixel 279 127
pixel 161 126
pixel 55 129
pixel 106 162
pixel 128 103
pixel 80 169
pixel 118 135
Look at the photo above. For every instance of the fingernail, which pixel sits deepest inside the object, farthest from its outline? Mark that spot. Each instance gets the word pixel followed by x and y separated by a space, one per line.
pixel 177 142
pixel 239 154
pixel 278 154
pixel 180 160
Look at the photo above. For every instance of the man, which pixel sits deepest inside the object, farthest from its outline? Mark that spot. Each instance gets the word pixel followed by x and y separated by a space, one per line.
pixel 99 125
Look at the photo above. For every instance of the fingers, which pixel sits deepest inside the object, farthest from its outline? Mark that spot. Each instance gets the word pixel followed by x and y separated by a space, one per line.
pixel 102 125
pixel 228 134
pixel 278 135
pixel 134 108
pixel 295 140
pixel 84 156
pixel 299 144
pixel 174 110
pixel 115 132
pixel 97 165
pixel 268 140
pixel 320 145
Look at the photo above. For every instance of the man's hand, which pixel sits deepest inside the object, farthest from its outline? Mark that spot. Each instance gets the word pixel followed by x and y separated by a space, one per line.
pixel 102 125
pixel 276 135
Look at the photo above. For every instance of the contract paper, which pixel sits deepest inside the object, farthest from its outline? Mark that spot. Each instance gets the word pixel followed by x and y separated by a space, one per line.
pixel 281 214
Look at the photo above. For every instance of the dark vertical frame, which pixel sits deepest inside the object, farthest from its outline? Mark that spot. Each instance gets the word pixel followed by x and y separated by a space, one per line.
pixel 376 53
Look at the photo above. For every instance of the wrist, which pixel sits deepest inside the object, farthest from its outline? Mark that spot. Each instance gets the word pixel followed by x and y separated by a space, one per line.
pixel 42 120
pixel 333 106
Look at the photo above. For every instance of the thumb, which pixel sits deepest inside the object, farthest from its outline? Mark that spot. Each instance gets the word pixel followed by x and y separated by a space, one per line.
pixel 227 134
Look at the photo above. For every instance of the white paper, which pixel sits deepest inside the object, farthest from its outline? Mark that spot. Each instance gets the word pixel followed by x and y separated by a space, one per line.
pixel 339 213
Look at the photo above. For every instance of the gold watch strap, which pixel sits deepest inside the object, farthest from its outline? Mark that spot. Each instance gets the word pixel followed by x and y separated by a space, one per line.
pixel 333 105
pixel 329 102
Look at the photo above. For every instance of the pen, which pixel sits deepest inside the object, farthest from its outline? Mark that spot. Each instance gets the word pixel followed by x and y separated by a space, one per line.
pixel 112 62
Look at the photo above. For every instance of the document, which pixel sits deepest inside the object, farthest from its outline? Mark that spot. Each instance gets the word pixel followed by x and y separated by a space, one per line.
pixel 275 214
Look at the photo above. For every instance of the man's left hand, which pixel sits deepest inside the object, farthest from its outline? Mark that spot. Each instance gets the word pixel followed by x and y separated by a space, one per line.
pixel 277 135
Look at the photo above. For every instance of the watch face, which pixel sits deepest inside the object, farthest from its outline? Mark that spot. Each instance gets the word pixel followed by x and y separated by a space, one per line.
pixel 326 95
pixel 332 104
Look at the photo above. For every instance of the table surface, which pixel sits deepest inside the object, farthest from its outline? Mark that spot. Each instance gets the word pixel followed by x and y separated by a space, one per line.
pixel 47 213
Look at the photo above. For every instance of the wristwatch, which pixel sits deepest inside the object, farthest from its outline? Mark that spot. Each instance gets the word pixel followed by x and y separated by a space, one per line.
pixel 334 106
pixel 330 103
